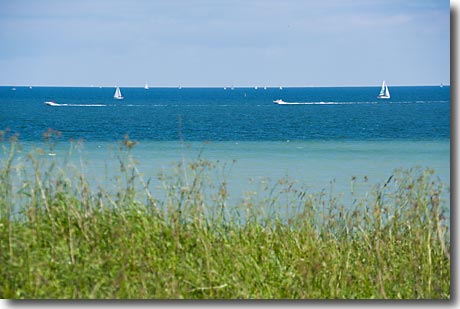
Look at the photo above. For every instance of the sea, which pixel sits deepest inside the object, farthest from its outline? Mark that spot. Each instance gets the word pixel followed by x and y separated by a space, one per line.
pixel 323 139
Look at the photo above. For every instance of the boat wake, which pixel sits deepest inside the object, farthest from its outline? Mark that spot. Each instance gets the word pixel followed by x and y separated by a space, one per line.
pixel 50 103
pixel 281 102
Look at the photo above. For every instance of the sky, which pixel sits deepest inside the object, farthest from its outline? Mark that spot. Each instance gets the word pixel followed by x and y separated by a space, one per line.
pixel 216 43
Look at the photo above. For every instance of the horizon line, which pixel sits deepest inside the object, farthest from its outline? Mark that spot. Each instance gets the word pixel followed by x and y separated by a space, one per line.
pixel 224 86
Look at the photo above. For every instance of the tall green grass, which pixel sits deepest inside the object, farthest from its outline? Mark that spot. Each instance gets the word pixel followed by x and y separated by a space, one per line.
pixel 62 238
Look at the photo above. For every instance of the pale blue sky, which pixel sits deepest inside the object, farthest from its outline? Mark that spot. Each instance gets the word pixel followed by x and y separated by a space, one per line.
pixel 221 43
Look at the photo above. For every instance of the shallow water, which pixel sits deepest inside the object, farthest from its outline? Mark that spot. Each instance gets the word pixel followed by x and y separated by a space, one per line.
pixel 315 165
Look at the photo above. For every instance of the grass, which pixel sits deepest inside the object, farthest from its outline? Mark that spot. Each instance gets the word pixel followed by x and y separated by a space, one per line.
pixel 62 239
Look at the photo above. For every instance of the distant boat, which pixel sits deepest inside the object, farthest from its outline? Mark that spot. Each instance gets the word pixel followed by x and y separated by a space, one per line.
pixel 146 87
pixel 13 89
pixel 279 102
pixel 384 92
pixel 117 94
pixel 51 103
pixel 441 85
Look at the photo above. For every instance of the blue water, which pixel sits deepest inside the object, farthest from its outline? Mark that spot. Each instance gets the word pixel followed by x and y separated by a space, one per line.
pixel 215 114
pixel 331 135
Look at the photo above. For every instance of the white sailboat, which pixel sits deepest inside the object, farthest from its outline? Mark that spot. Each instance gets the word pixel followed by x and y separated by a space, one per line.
pixel 146 86
pixel 117 94
pixel 384 92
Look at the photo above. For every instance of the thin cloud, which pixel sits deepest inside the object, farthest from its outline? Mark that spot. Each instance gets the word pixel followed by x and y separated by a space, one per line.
pixel 232 40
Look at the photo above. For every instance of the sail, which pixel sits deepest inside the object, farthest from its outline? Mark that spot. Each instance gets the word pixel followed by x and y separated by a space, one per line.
pixel 384 92
pixel 117 94
pixel 387 92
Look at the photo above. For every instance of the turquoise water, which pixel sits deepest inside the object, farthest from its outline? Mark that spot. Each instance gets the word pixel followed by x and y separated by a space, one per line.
pixel 315 165
pixel 329 136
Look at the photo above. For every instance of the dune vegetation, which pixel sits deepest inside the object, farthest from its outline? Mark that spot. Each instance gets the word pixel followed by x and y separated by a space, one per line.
pixel 62 238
